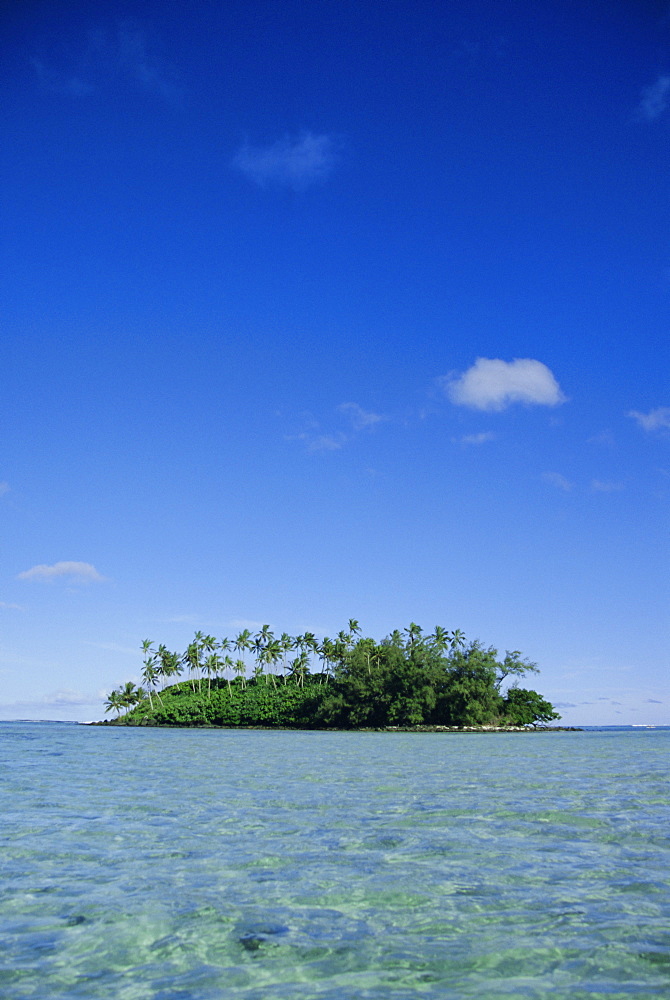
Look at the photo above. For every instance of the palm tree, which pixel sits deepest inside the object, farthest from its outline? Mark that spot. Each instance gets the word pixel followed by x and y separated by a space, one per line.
pixel 242 643
pixel 192 660
pixel 240 669
pixel 162 654
pixel 413 634
pixel 199 642
pixel 272 654
pixel 327 651
pixel 298 667
pixel 340 650
pixel 457 639
pixel 114 703
pixel 262 639
pixel 258 672
pixel 257 648
pixel 209 643
pixel 130 695
pixel 266 634
pixel 150 675
pixel 287 644
pixel 345 638
pixel 225 644
pixel 170 664
pixel 308 643
pixel 225 661
pixel 369 647
pixel 211 666
pixel 228 665
pixel 440 638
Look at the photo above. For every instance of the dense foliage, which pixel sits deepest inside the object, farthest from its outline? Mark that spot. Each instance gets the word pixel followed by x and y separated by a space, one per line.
pixel 408 679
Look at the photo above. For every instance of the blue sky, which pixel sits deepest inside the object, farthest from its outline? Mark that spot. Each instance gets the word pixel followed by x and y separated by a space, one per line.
pixel 325 310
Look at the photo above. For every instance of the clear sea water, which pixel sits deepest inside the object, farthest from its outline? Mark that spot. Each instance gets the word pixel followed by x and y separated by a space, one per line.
pixel 207 865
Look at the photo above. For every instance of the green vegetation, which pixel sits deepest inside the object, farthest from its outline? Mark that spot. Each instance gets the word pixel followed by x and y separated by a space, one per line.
pixel 350 682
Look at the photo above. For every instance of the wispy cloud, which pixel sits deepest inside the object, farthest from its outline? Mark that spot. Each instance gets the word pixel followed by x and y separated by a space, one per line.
pixel 604 438
pixel 8 606
pixel 604 486
pixel 319 442
pixel 557 480
pixel 79 572
pixel 148 71
pixel 315 439
pixel 105 57
pixel 325 442
pixel 296 163
pixel 249 623
pixel 62 697
pixel 60 82
pixel 492 384
pixel 476 439
pixel 66 696
pixel 655 98
pixel 360 419
pixel 114 647
pixel 4 489
pixel 655 420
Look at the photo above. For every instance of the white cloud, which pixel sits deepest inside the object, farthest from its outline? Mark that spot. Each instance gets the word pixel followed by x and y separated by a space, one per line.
pixel 11 607
pixel 360 418
pixel 658 419
pixel 655 98
pixel 4 489
pixel 476 439
pixel 294 163
pixel 557 480
pixel 492 384
pixel 78 571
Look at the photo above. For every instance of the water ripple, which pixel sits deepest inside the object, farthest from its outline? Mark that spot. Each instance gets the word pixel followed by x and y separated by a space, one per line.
pixel 217 864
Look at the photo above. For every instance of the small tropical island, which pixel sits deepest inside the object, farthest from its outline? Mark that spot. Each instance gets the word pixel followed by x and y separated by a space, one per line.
pixel 409 680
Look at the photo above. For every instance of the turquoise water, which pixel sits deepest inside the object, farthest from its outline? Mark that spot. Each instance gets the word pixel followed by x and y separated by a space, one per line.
pixel 273 865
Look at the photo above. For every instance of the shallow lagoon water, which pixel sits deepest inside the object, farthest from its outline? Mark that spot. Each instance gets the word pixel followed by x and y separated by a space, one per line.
pixel 216 864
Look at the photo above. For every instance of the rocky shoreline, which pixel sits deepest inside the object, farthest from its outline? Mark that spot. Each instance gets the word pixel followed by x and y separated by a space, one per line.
pixel 479 729
pixel 145 724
